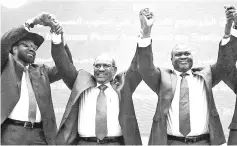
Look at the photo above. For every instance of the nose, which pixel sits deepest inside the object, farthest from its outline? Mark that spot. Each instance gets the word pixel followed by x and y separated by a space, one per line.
pixel 101 68
pixel 183 56
pixel 32 49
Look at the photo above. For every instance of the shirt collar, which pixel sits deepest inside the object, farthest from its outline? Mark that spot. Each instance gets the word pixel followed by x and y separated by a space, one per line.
pixel 189 72
pixel 27 67
pixel 107 84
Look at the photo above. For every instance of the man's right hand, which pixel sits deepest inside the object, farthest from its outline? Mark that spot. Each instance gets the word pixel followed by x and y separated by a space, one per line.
pixel 230 11
pixel 44 19
pixel 147 19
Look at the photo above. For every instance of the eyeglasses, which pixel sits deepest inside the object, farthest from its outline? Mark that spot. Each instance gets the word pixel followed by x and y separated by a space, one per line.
pixel 34 47
pixel 105 66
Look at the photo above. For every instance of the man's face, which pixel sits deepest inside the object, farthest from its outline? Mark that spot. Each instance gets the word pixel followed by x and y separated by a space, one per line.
pixel 182 58
pixel 26 50
pixel 104 70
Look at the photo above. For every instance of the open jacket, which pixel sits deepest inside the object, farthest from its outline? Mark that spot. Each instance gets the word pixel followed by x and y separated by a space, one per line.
pixel 230 78
pixel 163 82
pixel 124 84
pixel 41 76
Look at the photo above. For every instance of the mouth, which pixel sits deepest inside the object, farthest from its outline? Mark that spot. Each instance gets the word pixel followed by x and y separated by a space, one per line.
pixel 183 62
pixel 31 54
pixel 101 74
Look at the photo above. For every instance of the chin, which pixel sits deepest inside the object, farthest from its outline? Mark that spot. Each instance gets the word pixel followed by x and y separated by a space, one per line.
pixel 31 61
pixel 100 80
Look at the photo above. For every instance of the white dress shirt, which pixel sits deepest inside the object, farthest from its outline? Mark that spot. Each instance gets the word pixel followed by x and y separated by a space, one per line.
pixel 21 110
pixel 199 114
pixel 87 112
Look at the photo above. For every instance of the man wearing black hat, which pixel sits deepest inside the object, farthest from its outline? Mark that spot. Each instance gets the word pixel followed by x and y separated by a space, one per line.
pixel 27 114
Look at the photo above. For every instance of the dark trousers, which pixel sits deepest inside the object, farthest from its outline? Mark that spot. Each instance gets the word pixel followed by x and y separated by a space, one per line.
pixel 83 142
pixel 19 135
pixel 232 140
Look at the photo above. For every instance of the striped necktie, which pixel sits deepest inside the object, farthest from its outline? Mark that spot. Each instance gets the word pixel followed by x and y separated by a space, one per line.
pixel 32 99
pixel 101 114
pixel 184 111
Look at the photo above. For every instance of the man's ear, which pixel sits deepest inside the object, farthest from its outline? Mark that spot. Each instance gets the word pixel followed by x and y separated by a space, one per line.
pixel 115 70
pixel 14 49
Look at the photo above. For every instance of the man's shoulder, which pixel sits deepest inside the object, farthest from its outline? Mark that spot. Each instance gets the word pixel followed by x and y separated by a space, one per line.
pixel 84 75
pixel 201 69
pixel 165 70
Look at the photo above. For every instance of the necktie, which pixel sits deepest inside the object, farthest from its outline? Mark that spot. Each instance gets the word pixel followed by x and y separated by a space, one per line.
pixel 101 114
pixel 184 112
pixel 32 100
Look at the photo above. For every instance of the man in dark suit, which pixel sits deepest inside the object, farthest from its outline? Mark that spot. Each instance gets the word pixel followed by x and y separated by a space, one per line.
pixel 231 81
pixel 27 114
pixel 230 74
pixel 186 111
pixel 100 108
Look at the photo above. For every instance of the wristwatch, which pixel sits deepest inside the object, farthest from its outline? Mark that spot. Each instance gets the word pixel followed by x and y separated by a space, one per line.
pixel 29 25
pixel 226 36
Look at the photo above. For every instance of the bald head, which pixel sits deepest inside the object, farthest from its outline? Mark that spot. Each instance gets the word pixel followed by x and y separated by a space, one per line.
pixel 104 68
pixel 180 47
pixel 181 58
pixel 105 58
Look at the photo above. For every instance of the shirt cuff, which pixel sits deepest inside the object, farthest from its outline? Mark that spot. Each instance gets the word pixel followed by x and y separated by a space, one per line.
pixel 224 41
pixel 26 27
pixel 144 42
pixel 56 38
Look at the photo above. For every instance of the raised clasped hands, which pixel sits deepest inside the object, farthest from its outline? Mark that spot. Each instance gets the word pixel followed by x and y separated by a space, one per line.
pixel 147 19
pixel 46 19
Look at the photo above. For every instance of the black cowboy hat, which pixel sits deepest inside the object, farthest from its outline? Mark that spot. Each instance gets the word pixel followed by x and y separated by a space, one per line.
pixel 36 38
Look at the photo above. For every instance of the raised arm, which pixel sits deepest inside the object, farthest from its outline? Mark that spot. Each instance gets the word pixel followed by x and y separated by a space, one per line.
pixel 227 54
pixel 63 63
pixel 53 73
pixel 150 74
pixel 47 19
pixel 132 75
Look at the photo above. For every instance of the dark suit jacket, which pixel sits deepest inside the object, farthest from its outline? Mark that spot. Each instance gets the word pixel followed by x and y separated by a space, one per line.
pixel 230 78
pixel 78 81
pixel 163 83
pixel 41 76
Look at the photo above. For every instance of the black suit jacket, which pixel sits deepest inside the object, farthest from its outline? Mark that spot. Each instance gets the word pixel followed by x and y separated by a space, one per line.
pixel 230 78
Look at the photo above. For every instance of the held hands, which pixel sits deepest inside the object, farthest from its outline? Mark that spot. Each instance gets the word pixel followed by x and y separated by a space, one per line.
pixel 231 16
pixel 147 19
pixel 47 19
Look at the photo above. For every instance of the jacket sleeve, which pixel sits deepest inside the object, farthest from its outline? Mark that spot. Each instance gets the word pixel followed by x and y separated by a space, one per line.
pixel 63 61
pixel 231 80
pixel 132 75
pixel 226 61
pixel 7 40
pixel 150 74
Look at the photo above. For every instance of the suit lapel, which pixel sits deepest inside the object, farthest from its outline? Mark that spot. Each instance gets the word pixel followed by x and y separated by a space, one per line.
pixel 83 81
pixel 11 89
pixel 173 82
